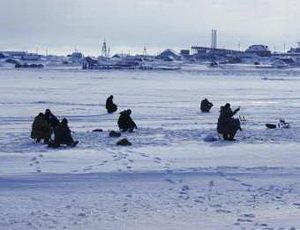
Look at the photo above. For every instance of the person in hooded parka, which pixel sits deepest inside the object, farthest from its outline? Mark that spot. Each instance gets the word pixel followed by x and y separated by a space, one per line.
pixel 41 130
pixel 51 118
pixel 125 122
pixel 62 135
pixel 110 106
pixel 227 125
pixel 205 105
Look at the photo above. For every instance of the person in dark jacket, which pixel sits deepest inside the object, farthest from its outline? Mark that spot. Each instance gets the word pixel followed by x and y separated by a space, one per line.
pixel 205 105
pixel 41 130
pixel 227 125
pixel 51 119
pixel 62 135
pixel 125 122
pixel 110 106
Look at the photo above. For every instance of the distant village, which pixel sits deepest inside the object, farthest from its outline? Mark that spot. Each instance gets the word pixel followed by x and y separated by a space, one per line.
pixel 257 56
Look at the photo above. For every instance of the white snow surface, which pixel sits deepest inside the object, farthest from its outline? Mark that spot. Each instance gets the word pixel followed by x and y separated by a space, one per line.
pixel 174 176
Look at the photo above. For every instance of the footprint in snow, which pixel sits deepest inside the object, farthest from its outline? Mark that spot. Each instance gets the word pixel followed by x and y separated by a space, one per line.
pixel 248 215
pixel 233 179
pixel 244 220
pixel 246 185
pixel 170 181
pixel 199 201
pixel 144 155
pixel 34 159
pixel 88 168
pixel 103 163
pixel 185 188
pixel 223 211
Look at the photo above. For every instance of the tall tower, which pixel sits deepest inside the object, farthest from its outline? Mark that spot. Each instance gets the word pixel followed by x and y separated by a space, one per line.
pixel 104 51
pixel 145 51
pixel 214 39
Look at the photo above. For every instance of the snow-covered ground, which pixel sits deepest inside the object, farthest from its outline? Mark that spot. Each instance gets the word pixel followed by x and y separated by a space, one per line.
pixel 172 177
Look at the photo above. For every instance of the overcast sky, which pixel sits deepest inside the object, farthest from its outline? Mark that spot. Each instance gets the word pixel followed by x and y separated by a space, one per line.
pixel 129 25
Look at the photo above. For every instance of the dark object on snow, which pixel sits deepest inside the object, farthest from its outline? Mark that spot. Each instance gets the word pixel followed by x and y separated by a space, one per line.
pixel 124 142
pixel 125 122
pixel 227 125
pixel 271 126
pixel 98 130
pixel 114 134
pixel 62 135
pixel 110 106
pixel 40 129
pixel 205 105
pixel 51 119
pixel 281 124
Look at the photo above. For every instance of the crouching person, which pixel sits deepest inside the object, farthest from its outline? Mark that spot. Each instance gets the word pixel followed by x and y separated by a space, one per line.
pixel 110 106
pixel 227 124
pixel 62 135
pixel 41 130
pixel 125 122
pixel 205 106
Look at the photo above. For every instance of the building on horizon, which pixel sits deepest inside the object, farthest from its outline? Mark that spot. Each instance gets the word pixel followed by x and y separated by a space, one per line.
pixel 260 50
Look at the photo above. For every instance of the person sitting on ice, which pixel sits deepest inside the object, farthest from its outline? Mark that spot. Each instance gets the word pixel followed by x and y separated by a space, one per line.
pixel 205 106
pixel 227 125
pixel 125 122
pixel 51 119
pixel 62 135
pixel 41 130
pixel 110 106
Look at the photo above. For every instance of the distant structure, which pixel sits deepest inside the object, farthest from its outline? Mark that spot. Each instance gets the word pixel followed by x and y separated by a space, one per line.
pixel 169 55
pixel 260 50
pixel 295 50
pixel 185 53
pixel 214 39
pixel 105 49
pixel 145 51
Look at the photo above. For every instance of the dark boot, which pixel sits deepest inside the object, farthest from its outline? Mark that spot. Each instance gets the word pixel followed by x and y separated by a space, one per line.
pixel 225 136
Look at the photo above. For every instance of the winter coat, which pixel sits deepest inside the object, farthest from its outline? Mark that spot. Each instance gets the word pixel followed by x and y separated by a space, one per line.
pixel 40 128
pixel 205 106
pixel 226 123
pixel 62 135
pixel 125 122
pixel 52 120
pixel 110 106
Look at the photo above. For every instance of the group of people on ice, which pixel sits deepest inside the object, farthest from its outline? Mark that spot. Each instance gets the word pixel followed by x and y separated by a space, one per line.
pixel 125 122
pixel 227 125
pixel 46 124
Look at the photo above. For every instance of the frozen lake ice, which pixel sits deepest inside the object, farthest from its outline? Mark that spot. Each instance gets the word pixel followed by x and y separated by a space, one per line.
pixel 170 178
